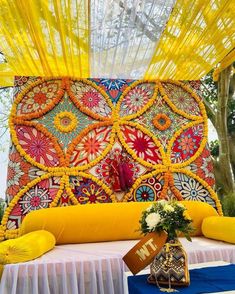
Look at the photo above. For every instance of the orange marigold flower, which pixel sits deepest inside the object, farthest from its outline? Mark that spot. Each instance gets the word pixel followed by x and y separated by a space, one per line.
pixel 161 121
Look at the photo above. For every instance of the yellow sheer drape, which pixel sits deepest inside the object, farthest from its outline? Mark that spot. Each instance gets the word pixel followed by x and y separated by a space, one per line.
pixel 52 38
pixel 199 34
pixel 45 37
pixel 6 75
pixel 229 59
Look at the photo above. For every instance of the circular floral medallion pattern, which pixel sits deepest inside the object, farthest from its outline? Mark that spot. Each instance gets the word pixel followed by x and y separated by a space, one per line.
pixel 65 130
pixel 91 146
pixel 113 87
pixel 65 106
pixel 161 107
pixel 65 121
pixel 141 144
pixel 144 193
pixel 18 173
pixel 203 167
pixel 156 184
pixel 191 189
pixel 136 98
pixel 38 146
pixel 187 144
pixel 39 97
pixel 93 101
pixel 182 99
pixel 36 198
pixel 87 191
pixel 39 196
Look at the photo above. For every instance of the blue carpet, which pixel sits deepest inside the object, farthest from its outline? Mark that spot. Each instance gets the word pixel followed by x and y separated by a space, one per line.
pixel 203 280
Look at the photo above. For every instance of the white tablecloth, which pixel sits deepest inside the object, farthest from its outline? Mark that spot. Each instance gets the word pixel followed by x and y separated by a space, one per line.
pixel 95 268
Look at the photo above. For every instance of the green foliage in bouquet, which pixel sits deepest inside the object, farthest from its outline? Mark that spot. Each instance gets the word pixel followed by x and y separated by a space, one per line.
pixel 169 216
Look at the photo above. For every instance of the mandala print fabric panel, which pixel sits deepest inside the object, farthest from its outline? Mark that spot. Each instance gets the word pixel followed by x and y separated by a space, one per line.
pixel 149 190
pixel 192 189
pixel 39 98
pixel 87 141
pixel 203 167
pixel 88 191
pixel 151 117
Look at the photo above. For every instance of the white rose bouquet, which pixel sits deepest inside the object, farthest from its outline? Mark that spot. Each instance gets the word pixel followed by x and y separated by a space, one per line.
pixel 170 216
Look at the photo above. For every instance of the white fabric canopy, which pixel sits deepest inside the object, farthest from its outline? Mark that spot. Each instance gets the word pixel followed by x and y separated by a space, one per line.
pixel 124 35
pixel 95 268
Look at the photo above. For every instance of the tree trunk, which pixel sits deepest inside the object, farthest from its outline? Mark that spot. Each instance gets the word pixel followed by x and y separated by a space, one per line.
pixel 221 122
pixel 232 150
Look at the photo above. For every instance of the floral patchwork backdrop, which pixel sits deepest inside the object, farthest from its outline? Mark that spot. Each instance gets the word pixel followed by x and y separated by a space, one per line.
pixel 100 140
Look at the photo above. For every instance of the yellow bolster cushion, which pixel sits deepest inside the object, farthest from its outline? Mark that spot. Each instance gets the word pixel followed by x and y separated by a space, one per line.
pixel 198 210
pixel 25 248
pixel 219 228
pixel 101 222
pixel 88 223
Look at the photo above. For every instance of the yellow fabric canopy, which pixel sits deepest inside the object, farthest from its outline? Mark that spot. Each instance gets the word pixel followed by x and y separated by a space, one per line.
pixel 228 60
pixel 199 35
pixel 45 38
pixel 52 38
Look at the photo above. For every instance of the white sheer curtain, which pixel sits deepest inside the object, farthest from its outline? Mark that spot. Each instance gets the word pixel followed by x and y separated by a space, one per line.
pixel 95 268
pixel 124 34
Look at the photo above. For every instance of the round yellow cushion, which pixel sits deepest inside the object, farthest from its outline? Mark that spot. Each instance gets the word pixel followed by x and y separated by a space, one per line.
pixel 219 228
pixel 198 210
pixel 101 222
pixel 25 248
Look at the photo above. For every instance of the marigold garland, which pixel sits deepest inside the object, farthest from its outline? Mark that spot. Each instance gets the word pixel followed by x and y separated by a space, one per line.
pixel 75 141
pixel 194 95
pixel 65 115
pixel 59 193
pixel 142 178
pixel 165 185
pixel 132 153
pixel 115 122
pixel 205 185
pixel 161 121
pixel 68 190
pixel 144 108
pixel 85 109
pixel 174 190
pixel 11 234
pixel 107 190
pixel 42 129
pixel 176 135
pixel 172 105
pixel 15 200
pixel 37 114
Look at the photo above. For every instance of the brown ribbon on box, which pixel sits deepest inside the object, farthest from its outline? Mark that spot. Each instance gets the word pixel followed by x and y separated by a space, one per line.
pixel 143 253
